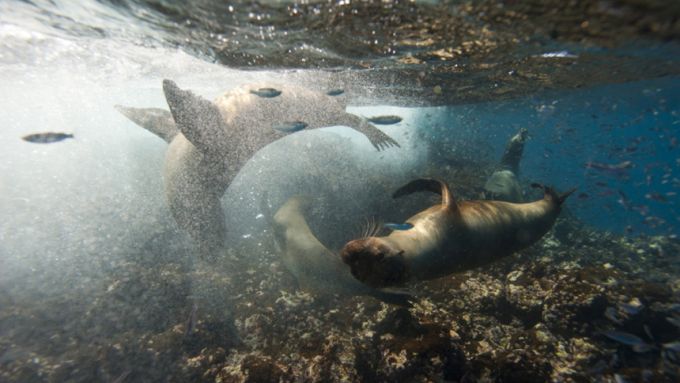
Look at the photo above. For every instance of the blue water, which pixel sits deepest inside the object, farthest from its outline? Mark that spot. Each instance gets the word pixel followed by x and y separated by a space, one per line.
pixel 635 122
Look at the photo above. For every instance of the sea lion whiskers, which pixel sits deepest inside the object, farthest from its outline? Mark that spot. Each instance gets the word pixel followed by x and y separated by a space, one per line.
pixel 360 229
pixel 367 228
pixel 370 227
pixel 375 227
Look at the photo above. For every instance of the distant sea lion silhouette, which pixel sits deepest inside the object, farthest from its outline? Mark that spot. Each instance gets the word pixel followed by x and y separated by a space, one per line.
pixel 502 185
pixel 450 237
pixel 316 268
pixel 211 141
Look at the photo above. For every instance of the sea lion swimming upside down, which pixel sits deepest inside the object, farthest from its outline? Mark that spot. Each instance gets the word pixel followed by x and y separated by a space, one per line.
pixel 450 237
pixel 211 141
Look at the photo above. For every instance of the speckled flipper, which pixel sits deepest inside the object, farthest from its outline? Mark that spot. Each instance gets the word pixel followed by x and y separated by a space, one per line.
pixel 197 118
pixel 155 120
pixel 379 139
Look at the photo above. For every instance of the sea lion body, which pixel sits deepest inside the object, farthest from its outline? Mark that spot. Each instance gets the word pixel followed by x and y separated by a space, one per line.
pixel 209 142
pixel 503 185
pixel 251 121
pixel 450 237
pixel 193 184
pixel 316 268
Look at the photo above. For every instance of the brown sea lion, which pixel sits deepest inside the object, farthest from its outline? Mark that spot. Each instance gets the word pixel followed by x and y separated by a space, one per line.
pixel 316 268
pixel 450 237
pixel 211 141
pixel 503 185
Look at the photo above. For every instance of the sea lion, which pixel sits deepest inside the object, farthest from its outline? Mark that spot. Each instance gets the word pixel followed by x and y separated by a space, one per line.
pixel 450 237
pixel 503 185
pixel 211 141
pixel 317 269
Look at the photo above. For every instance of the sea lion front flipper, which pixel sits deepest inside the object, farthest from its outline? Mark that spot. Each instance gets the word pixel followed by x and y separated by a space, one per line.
pixel 379 139
pixel 197 118
pixel 155 120
pixel 426 184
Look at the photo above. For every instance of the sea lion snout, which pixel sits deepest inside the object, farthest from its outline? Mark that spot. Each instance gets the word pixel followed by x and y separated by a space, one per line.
pixel 374 263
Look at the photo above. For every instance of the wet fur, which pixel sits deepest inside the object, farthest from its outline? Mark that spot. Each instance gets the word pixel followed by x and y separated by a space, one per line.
pixel 316 268
pixel 451 237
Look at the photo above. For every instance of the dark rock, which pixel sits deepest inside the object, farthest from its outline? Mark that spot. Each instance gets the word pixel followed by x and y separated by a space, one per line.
pixel 400 321
pixel 261 369
pixel 524 368
pixel 573 305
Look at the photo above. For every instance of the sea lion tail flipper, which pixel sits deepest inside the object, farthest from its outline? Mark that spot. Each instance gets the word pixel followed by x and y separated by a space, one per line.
pixel 379 139
pixel 290 214
pixel 426 184
pixel 552 194
pixel 197 118
pixel 155 120
pixel 295 206
pixel 563 196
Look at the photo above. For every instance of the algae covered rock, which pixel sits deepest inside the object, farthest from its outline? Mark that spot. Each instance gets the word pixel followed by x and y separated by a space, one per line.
pixel 575 301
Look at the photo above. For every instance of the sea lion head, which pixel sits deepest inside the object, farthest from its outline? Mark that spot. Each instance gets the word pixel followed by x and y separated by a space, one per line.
pixel 375 262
